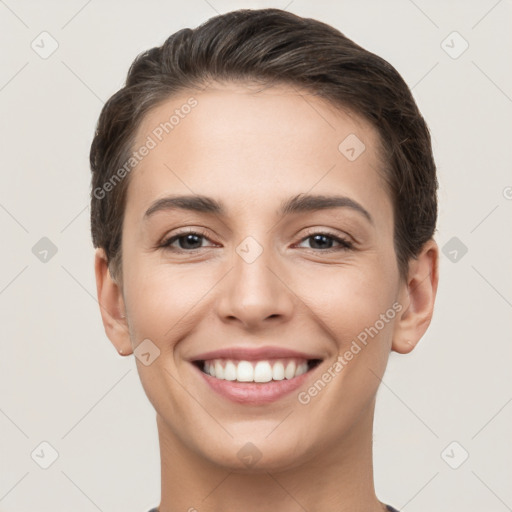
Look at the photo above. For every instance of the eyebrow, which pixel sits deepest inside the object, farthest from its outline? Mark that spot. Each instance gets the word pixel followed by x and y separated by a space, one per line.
pixel 297 204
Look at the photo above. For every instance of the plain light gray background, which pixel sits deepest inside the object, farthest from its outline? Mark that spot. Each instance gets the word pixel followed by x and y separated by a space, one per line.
pixel 62 382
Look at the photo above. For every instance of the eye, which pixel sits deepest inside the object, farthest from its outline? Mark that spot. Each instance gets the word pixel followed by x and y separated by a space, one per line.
pixel 188 241
pixel 324 242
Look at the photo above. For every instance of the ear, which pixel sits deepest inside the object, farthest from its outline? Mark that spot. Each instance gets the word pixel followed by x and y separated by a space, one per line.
pixel 112 305
pixel 417 297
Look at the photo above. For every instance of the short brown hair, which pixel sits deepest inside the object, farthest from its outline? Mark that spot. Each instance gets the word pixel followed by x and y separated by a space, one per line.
pixel 272 46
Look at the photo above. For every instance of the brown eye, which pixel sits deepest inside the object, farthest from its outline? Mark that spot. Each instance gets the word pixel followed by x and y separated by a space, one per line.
pixel 324 242
pixel 188 241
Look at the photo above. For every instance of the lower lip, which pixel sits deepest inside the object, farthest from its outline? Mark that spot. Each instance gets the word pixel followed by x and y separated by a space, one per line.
pixel 255 393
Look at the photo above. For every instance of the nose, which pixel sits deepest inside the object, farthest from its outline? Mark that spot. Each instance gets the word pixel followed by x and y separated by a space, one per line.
pixel 256 294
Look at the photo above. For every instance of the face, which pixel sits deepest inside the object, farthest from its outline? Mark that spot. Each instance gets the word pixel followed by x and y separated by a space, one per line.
pixel 291 293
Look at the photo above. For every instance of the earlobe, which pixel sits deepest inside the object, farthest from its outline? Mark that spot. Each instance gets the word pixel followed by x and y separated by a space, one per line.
pixel 112 307
pixel 417 298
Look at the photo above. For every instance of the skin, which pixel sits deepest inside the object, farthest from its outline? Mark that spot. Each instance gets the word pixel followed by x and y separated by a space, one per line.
pixel 252 149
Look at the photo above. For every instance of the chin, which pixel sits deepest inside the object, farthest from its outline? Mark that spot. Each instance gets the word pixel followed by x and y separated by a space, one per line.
pixel 256 456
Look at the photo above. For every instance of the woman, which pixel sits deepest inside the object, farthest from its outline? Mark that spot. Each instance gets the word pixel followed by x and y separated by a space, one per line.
pixel 263 207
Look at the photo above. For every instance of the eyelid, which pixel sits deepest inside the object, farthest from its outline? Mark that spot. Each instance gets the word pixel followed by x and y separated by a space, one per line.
pixel 168 239
pixel 346 242
pixel 316 230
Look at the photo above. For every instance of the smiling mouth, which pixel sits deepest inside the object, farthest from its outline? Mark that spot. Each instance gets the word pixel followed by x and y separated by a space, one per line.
pixel 256 371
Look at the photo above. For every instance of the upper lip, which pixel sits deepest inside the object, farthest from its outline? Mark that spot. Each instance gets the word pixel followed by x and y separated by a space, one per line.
pixel 253 354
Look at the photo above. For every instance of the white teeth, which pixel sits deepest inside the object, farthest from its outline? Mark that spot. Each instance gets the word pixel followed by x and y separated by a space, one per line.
pixel 255 371
pixel 244 372
pixel 263 372
pixel 230 371
pixel 302 368
pixel 289 373
pixel 278 371
pixel 219 371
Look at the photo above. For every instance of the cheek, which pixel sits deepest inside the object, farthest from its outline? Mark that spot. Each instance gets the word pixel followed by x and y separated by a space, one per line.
pixel 353 307
pixel 161 301
pixel 348 297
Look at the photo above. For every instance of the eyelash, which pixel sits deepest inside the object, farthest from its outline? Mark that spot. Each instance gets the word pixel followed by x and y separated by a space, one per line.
pixel 345 244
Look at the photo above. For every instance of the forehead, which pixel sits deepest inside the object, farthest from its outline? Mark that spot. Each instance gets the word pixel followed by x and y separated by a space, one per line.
pixel 257 143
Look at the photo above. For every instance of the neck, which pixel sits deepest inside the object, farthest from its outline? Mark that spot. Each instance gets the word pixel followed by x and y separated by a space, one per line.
pixel 337 478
